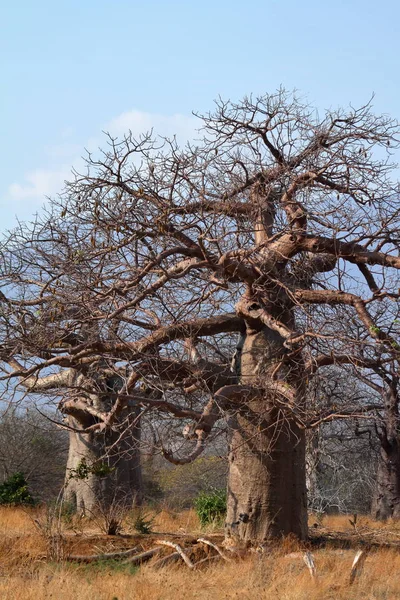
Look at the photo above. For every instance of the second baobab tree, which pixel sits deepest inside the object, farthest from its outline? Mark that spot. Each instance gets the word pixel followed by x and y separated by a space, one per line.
pixel 249 238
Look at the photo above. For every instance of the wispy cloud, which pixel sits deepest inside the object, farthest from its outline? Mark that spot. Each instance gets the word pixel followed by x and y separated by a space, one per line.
pixel 37 184
pixel 138 122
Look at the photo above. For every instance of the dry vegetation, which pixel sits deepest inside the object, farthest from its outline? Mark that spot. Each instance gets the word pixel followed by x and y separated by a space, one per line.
pixel 279 572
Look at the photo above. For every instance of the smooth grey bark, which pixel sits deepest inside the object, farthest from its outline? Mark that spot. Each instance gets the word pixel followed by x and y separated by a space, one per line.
pixel 266 483
pixel 121 487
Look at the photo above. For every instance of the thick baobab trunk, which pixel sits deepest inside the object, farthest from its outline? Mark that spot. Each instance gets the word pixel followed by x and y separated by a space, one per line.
pixel 386 500
pixel 103 470
pixel 266 483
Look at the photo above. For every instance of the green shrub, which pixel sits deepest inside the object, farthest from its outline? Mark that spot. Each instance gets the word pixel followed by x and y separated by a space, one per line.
pixel 141 521
pixel 211 507
pixel 84 470
pixel 14 490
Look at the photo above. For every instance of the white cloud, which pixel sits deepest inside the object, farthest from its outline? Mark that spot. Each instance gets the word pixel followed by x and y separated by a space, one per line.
pixel 39 183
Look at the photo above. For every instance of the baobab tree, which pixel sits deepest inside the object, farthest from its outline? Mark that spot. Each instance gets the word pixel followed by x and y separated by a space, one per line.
pixel 342 449
pixel 378 370
pixel 372 373
pixel 156 258
pixel 103 469
pixel 386 499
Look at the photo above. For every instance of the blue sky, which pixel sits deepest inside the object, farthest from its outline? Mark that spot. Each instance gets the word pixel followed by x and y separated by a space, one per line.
pixel 72 69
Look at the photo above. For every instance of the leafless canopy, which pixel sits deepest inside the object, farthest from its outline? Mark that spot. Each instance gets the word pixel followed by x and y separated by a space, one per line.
pixel 152 258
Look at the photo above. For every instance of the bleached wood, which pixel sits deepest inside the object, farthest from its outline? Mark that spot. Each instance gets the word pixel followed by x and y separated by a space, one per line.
pixel 309 560
pixel 181 552
pixel 357 566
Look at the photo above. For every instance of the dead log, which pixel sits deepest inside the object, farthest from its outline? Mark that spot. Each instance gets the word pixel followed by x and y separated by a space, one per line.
pixel 88 558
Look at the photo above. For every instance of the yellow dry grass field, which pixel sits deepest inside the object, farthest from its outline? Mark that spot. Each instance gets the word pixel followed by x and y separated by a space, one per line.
pixel 35 562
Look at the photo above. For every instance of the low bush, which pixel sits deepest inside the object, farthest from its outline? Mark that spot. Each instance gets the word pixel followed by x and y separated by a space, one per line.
pixel 141 521
pixel 210 507
pixel 14 490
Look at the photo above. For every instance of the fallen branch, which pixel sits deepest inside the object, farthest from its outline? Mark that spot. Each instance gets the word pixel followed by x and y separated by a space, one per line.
pixel 357 566
pixel 180 551
pixel 208 543
pixel 142 557
pixel 104 556
pixel 166 560
pixel 214 558
pixel 309 560
pixel 190 536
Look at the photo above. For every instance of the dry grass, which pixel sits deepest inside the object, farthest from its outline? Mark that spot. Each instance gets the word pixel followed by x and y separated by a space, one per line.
pixel 26 574
pixel 184 521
